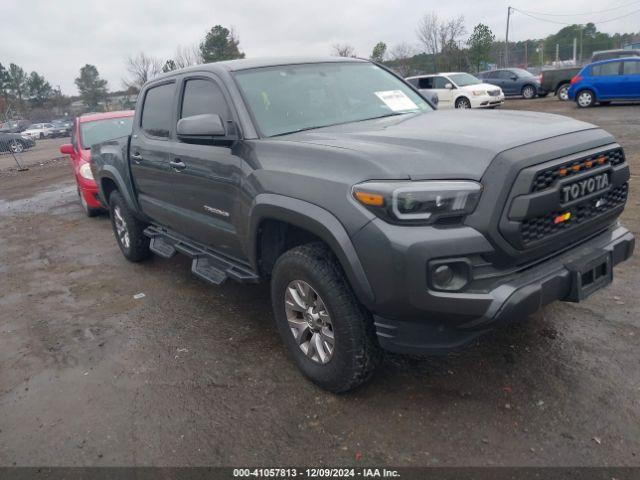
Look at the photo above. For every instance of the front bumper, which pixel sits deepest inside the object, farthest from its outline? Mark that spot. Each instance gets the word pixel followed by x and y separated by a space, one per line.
pixel 434 322
pixel 487 101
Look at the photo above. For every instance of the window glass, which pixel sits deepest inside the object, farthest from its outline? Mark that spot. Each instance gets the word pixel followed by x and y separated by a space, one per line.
pixel 631 67
pixel 605 69
pixel 158 110
pixel 290 98
pixel 413 81
pixel 426 83
pixel 464 79
pixel 204 96
pixel 504 74
pixel 440 82
pixel 102 130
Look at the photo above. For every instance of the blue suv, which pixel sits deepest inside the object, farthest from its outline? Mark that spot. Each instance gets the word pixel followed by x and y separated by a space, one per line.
pixel 606 81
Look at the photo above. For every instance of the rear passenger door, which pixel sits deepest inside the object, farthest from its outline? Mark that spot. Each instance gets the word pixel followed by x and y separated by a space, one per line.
pixel 631 78
pixel 607 80
pixel 206 185
pixel 150 154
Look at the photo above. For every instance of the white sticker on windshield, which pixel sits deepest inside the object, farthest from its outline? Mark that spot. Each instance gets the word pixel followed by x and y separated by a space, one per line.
pixel 396 100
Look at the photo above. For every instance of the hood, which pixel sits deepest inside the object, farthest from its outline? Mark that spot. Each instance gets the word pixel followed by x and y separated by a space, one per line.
pixel 440 144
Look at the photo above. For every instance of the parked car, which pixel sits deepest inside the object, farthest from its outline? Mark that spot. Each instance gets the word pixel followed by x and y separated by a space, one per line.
pixel 61 128
pixel 459 90
pixel 14 126
pixel 39 131
pixel 86 131
pixel 607 81
pixel 379 223
pixel 559 80
pixel 515 81
pixel 15 142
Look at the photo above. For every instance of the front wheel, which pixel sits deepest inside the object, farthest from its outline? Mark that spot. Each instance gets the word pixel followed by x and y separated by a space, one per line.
pixel 585 99
pixel 128 230
pixel 329 335
pixel 528 92
pixel 463 102
pixel 17 146
pixel 563 92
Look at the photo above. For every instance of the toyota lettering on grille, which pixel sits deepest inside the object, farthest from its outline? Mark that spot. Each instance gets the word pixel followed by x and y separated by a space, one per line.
pixel 584 187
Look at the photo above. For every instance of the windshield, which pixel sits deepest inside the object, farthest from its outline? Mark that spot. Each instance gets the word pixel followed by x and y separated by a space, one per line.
pixel 103 130
pixel 464 79
pixel 290 98
pixel 33 127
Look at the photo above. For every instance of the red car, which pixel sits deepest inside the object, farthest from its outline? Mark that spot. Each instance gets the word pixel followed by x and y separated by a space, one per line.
pixel 88 130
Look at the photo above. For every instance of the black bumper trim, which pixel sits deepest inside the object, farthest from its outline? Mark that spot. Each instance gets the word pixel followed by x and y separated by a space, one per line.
pixel 515 300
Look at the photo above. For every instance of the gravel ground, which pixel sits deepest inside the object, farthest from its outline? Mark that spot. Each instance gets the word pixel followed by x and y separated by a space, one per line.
pixel 196 375
pixel 43 152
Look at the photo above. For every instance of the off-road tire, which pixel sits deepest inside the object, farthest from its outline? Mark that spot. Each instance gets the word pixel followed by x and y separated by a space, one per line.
pixel 356 351
pixel 138 248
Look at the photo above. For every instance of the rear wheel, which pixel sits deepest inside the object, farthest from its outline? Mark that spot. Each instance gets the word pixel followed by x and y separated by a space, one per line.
pixel 128 230
pixel 463 102
pixel 585 98
pixel 528 92
pixel 563 92
pixel 329 335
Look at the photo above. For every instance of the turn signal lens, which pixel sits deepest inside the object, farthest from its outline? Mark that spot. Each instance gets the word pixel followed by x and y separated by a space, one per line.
pixel 562 172
pixel 369 199
pixel 601 160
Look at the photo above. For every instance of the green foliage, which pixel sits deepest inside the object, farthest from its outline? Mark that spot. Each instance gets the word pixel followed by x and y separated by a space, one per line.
pixel 480 43
pixel 39 89
pixel 17 82
pixel 379 52
pixel 169 66
pixel 220 43
pixel 92 88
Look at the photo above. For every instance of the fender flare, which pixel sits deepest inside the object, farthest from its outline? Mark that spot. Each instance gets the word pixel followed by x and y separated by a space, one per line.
pixel 112 173
pixel 318 221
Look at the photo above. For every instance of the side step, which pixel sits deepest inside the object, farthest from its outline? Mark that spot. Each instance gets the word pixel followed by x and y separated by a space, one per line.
pixel 207 264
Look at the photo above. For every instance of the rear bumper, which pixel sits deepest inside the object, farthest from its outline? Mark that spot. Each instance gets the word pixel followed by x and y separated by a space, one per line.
pixel 520 295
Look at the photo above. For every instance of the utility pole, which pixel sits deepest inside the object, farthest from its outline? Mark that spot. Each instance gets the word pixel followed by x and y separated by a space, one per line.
pixel 506 39
pixel 581 29
pixel 526 54
pixel 575 50
pixel 557 52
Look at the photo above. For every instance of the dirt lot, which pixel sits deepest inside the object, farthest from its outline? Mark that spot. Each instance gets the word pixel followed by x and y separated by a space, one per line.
pixel 196 375
pixel 43 152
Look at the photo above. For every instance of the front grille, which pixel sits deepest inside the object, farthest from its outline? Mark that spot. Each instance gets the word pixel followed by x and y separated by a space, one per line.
pixel 546 178
pixel 493 93
pixel 538 228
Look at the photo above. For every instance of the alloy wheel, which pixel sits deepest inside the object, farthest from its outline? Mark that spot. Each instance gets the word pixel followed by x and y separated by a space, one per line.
pixel 17 147
pixel 563 93
pixel 309 321
pixel 528 92
pixel 463 103
pixel 121 227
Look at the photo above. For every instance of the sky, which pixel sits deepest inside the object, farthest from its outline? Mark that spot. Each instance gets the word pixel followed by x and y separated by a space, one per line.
pixel 56 38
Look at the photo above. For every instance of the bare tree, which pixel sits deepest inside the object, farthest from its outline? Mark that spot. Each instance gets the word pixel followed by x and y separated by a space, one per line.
pixel 187 56
pixel 429 34
pixel 399 56
pixel 343 50
pixel 450 33
pixel 141 69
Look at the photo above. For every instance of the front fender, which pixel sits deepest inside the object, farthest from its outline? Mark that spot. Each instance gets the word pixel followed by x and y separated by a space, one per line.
pixel 318 221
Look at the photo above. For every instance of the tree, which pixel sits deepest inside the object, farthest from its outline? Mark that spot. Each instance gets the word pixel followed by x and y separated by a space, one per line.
pixel 400 57
pixel 220 43
pixel 379 52
pixel 480 43
pixel 4 83
pixel 92 88
pixel 141 69
pixel 187 56
pixel 343 50
pixel 440 38
pixel 39 89
pixel 169 66
pixel 17 82
pixel 429 35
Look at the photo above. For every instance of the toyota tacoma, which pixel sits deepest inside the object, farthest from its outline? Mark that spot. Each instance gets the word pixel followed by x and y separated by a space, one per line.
pixel 381 223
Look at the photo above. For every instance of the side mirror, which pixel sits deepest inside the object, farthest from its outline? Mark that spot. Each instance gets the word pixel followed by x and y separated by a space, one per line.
pixel 66 149
pixel 449 86
pixel 201 126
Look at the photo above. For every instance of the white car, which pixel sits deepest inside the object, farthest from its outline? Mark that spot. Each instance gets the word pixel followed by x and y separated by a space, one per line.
pixel 459 90
pixel 39 130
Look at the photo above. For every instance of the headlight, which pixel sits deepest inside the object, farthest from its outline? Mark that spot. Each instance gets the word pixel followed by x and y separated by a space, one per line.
pixel 85 171
pixel 478 93
pixel 418 202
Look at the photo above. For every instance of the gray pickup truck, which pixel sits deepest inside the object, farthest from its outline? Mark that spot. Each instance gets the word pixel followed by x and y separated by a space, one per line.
pixel 379 222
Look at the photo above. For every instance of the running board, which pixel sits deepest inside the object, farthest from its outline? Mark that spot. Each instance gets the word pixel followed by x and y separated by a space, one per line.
pixel 208 265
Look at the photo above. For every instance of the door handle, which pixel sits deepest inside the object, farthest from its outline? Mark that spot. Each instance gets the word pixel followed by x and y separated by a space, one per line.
pixel 177 165
pixel 136 157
